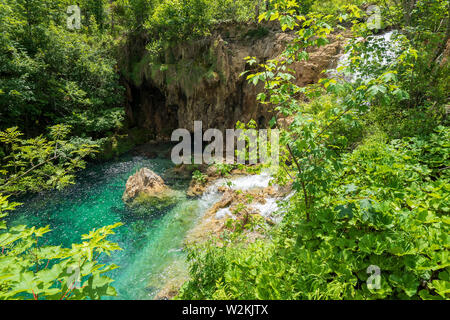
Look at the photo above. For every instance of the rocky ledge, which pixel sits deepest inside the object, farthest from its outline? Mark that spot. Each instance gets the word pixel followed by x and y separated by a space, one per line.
pixel 239 206
pixel 201 80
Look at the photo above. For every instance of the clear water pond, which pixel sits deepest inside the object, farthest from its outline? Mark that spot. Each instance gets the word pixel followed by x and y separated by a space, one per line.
pixel 152 245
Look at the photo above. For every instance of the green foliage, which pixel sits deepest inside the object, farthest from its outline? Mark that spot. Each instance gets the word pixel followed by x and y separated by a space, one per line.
pixel 37 164
pixel 95 124
pixel 48 71
pixel 174 19
pixel 130 15
pixel 245 222
pixel 235 10
pixel 28 269
pixel 363 199
pixel 334 7
pixel 31 271
pixel 223 169
pixel 199 177
pixel 387 206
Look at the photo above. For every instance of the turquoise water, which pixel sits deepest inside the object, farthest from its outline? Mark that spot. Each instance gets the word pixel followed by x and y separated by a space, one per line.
pixel 152 246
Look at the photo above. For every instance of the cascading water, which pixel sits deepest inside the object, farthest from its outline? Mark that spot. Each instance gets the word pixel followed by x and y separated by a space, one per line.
pixel 246 183
pixel 383 50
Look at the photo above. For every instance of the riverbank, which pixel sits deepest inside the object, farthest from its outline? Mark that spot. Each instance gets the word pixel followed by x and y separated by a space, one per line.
pixel 240 200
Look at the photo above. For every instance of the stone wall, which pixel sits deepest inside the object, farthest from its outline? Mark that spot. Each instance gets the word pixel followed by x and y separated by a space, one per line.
pixel 201 80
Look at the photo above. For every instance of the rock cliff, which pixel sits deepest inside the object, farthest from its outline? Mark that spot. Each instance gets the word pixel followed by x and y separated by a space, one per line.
pixel 201 80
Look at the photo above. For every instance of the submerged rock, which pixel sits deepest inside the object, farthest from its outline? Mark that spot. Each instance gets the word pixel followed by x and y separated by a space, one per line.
pixel 196 189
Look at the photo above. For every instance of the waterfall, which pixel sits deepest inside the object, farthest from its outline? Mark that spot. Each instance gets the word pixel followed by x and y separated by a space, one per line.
pixel 377 59
pixel 243 183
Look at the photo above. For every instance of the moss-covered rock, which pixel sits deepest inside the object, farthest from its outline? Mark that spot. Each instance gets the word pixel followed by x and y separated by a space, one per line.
pixel 146 192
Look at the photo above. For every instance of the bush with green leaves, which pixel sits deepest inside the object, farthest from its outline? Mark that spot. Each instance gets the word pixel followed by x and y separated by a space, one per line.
pixel 30 270
pixel 199 177
pixel 171 22
pixel 387 207
pixel 361 203
pixel 174 20
pixel 48 71
pixel 223 169
pixel 40 163
pixel 96 124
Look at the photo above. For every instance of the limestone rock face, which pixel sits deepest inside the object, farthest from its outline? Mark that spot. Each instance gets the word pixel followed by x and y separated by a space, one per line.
pixel 201 80
pixel 145 183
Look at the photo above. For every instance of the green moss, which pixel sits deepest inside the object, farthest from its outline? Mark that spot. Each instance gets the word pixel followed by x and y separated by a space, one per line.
pixel 145 204
pixel 117 145
pixel 138 70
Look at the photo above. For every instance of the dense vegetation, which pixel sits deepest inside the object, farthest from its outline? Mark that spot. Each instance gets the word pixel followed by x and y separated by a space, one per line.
pixel 61 102
pixel 368 159
pixel 366 150
pixel 30 270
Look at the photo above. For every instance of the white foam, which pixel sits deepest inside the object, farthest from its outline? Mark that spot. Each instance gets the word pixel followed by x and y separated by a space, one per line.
pixel 224 213
pixel 390 50
pixel 267 208
pixel 244 183
pixel 259 181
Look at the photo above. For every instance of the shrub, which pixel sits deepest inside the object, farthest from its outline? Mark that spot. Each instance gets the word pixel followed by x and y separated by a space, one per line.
pixel 387 208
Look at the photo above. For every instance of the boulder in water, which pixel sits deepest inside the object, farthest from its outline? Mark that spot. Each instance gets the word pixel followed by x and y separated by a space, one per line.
pixel 147 188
